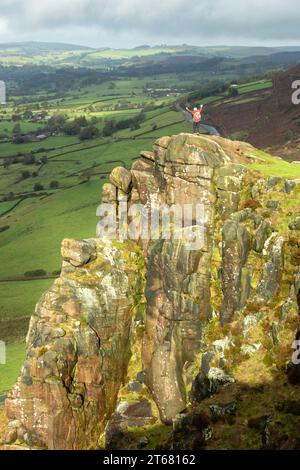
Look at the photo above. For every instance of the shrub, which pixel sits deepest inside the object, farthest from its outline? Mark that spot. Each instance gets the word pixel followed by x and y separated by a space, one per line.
pixel 29 159
pixel 35 273
pixel 38 187
pixel 25 175
pixel 56 272
pixel 54 184
pixel 88 132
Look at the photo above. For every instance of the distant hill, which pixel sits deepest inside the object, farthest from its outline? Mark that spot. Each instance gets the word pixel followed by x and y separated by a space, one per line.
pixel 33 48
pixel 270 119
pixel 20 53
pixel 246 51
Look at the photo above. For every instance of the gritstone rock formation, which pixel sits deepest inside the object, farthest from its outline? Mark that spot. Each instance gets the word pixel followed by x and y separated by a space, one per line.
pixel 204 315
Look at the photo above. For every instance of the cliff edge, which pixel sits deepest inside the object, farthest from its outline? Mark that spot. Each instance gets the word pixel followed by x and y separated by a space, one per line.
pixel 148 342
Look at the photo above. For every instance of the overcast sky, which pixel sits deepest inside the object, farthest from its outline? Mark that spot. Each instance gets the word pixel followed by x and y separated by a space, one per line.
pixel 120 23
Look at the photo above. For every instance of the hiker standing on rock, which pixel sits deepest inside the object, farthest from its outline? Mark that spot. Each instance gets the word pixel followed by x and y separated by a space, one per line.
pixel 197 116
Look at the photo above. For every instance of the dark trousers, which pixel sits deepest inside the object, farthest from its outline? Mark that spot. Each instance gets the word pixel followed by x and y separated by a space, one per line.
pixel 196 127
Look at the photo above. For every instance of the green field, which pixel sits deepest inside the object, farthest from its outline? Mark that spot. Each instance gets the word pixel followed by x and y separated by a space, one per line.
pixel 15 353
pixel 255 86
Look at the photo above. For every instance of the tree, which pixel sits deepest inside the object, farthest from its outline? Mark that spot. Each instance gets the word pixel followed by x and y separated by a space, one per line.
pixel 109 128
pixel 38 187
pixel 88 132
pixel 54 184
pixel 57 122
pixel 72 128
pixel 81 121
pixel 25 174
pixel 29 159
pixel 233 91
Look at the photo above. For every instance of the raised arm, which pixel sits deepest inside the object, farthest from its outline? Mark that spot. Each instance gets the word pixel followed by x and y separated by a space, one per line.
pixel 189 110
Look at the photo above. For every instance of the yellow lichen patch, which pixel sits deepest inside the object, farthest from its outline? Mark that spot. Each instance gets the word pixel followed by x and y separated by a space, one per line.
pixel 253 371
pixel 3 424
pixel 212 331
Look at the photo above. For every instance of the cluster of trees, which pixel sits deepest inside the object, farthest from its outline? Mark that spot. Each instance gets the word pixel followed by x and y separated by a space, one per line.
pixel 30 79
pixel 38 186
pixel 79 126
pixel 216 87
pixel 87 129
pixel 133 123
pixel 28 159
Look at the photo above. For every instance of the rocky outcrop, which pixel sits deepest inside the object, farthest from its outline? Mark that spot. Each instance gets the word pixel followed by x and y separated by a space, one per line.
pixel 219 291
pixel 78 350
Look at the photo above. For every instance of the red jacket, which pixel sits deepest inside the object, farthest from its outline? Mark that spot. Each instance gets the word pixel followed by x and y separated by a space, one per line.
pixel 196 114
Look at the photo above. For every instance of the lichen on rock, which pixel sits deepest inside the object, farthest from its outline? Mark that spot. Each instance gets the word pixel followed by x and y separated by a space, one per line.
pixel 138 335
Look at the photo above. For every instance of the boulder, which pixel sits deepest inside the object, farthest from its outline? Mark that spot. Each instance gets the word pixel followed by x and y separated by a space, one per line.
pixel 137 414
pixel 295 224
pixel 109 193
pixel 224 412
pixel 272 204
pixel 78 252
pixel 206 385
pixel 273 181
pixel 121 178
pixel 263 233
pixel 289 185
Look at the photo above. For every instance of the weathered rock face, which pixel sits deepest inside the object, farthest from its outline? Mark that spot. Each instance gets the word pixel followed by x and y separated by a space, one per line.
pixel 273 269
pixel 78 351
pixel 205 303
pixel 178 304
pixel 235 249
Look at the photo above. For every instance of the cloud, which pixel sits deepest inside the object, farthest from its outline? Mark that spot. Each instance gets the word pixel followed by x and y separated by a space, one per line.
pixel 130 22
